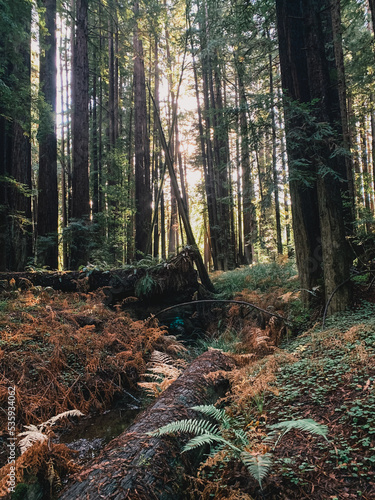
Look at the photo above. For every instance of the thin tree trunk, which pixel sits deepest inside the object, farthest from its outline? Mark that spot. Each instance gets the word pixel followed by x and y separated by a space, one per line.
pixel 249 217
pixel 274 162
pixel 64 212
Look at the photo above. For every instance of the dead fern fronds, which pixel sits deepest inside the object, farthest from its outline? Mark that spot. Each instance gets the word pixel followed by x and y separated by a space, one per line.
pixel 31 436
pixel 40 433
pixel 171 345
pixel 161 358
pixel 52 421
pixel 162 370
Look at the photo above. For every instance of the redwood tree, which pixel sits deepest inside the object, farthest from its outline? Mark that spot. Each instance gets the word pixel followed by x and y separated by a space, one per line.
pixel 15 149
pixel 143 195
pixel 47 220
pixel 80 132
pixel 313 124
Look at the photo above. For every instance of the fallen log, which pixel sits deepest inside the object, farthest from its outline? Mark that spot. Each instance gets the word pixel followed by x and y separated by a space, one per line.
pixel 137 466
pixel 174 280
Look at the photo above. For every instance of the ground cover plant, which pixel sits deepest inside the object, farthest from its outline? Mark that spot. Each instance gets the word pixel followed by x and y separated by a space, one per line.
pixel 327 376
pixel 69 352
pixel 65 352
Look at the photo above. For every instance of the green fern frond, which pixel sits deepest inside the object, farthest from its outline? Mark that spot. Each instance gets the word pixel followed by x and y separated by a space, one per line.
pixel 257 465
pixel 192 426
pixel 241 435
pixel 303 424
pixel 144 286
pixel 213 412
pixel 203 439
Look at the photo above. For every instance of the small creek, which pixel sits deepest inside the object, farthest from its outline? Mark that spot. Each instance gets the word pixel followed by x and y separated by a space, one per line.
pixel 90 434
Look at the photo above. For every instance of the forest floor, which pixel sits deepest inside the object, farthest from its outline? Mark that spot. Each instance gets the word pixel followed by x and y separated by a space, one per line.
pixel 68 351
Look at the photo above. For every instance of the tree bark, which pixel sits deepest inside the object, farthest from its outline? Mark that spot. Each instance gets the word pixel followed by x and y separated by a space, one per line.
pixel 135 465
pixel 143 196
pixel 80 133
pixel 307 67
pixel 15 131
pixel 249 214
pixel 47 220
pixel 304 199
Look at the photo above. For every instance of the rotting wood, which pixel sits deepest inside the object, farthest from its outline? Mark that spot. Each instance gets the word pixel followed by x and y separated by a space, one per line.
pixel 137 466
pixel 175 279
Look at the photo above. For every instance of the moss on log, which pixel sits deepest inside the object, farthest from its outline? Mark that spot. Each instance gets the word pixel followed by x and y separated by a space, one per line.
pixel 157 285
pixel 137 466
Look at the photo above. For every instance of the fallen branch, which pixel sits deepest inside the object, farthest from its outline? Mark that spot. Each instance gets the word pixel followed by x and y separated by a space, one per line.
pixel 338 287
pixel 240 302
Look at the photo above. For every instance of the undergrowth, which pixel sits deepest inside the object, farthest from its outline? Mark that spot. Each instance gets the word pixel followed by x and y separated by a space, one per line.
pixel 259 277
pixel 327 376
pixel 64 352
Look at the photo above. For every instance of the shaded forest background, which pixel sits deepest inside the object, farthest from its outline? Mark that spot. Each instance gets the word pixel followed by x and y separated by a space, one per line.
pixel 128 130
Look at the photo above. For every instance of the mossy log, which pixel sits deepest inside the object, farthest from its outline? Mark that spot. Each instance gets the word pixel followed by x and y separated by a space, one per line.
pixel 137 466
pixel 174 280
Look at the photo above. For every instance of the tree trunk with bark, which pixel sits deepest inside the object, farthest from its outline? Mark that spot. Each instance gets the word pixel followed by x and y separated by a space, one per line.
pixel 249 214
pixel 305 36
pixel 143 196
pixel 47 219
pixel 136 465
pixel 15 131
pixel 80 134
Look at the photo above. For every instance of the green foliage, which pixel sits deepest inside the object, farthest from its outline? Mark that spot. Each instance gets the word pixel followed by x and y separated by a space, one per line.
pixel 257 277
pixel 305 424
pixel 145 286
pixel 258 465
pixel 226 341
pixel 21 188
pixel 299 315
pixel 229 435
pixel 335 369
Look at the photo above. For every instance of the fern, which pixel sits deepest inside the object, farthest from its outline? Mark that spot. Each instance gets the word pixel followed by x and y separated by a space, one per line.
pixel 203 439
pixel 60 416
pixel 144 286
pixel 213 412
pixel 37 433
pixel 192 426
pixel 304 424
pixel 31 436
pixel 207 433
pixel 258 465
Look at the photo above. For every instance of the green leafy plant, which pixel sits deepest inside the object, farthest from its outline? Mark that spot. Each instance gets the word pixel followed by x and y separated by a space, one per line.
pixel 226 434
pixel 144 286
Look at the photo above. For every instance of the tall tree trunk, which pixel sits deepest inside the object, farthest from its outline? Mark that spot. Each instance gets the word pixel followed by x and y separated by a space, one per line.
pixel 156 163
pixel 306 57
pixel 143 195
pixel 80 135
pixel 349 192
pixel 64 211
pixel 295 80
pixel 240 252
pixel 15 150
pixel 47 225
pixel 249 214
pixel 206 155
pixel 274 162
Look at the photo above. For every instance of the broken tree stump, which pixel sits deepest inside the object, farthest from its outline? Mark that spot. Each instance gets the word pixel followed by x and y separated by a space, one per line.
pixel 137 466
